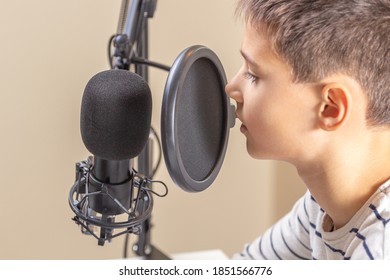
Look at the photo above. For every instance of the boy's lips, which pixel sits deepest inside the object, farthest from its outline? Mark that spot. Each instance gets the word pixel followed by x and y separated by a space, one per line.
pixel 243 128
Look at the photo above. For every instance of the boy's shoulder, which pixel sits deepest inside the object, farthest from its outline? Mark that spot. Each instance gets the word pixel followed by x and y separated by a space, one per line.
pixel 374 230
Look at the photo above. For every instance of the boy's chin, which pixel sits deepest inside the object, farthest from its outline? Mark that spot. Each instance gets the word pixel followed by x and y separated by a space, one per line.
pixel 260 154
pixel 256 153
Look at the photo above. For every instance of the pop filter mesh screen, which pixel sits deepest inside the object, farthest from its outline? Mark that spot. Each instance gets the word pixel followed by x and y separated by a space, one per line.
pixel 200 119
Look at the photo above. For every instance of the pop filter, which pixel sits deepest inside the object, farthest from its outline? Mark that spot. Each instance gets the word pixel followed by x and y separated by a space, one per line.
pixel 196 117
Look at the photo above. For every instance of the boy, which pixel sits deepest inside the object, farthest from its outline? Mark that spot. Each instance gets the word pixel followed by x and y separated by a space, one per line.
pixel 314 90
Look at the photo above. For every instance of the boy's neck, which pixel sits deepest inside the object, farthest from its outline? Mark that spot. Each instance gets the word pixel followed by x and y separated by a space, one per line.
pixel 347 177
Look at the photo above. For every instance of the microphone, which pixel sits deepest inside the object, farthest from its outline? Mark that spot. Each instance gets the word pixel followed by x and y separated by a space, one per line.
pixel 115 124
pixel 196 117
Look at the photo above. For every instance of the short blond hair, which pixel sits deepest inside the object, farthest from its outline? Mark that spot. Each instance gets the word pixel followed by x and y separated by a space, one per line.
pixel 318 38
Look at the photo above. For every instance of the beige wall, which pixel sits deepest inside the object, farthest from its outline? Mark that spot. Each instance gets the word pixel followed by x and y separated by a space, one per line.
pixel 49 50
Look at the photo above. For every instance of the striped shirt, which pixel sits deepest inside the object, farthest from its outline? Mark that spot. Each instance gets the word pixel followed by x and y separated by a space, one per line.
pixel 305 233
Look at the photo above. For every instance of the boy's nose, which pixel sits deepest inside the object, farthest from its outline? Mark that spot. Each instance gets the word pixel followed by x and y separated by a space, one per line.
pixel 232 90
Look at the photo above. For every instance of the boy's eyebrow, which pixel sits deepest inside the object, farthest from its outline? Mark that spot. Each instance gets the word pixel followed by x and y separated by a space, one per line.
pixel 248 59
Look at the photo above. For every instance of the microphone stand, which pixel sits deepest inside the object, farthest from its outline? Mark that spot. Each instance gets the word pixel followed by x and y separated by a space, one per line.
pixel 131 47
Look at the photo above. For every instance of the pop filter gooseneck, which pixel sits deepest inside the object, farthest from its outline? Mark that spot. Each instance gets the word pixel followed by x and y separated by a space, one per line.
pixel 196 118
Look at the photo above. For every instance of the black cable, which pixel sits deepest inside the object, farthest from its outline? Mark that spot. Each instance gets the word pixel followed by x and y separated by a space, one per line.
pixel 159 150
pixel 127 237
pixel 109 51
pixel 136 59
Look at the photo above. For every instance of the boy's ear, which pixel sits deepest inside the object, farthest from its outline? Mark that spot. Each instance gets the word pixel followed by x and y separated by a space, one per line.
pixel 335 106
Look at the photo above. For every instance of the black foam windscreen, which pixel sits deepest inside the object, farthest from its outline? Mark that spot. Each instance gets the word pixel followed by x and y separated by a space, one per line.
pixel 116 114
pixel 195 119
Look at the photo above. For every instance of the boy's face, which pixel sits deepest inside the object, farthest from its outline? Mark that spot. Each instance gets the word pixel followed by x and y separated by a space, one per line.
pixel 277 115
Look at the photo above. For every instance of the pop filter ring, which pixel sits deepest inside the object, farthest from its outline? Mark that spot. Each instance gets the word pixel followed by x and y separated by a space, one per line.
pixel 170 143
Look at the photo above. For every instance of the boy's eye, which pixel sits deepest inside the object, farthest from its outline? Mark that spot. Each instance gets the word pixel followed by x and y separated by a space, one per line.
pixel 249 76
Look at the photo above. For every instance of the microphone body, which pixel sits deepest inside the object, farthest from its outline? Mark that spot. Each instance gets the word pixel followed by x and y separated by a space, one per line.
pixel 117 181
